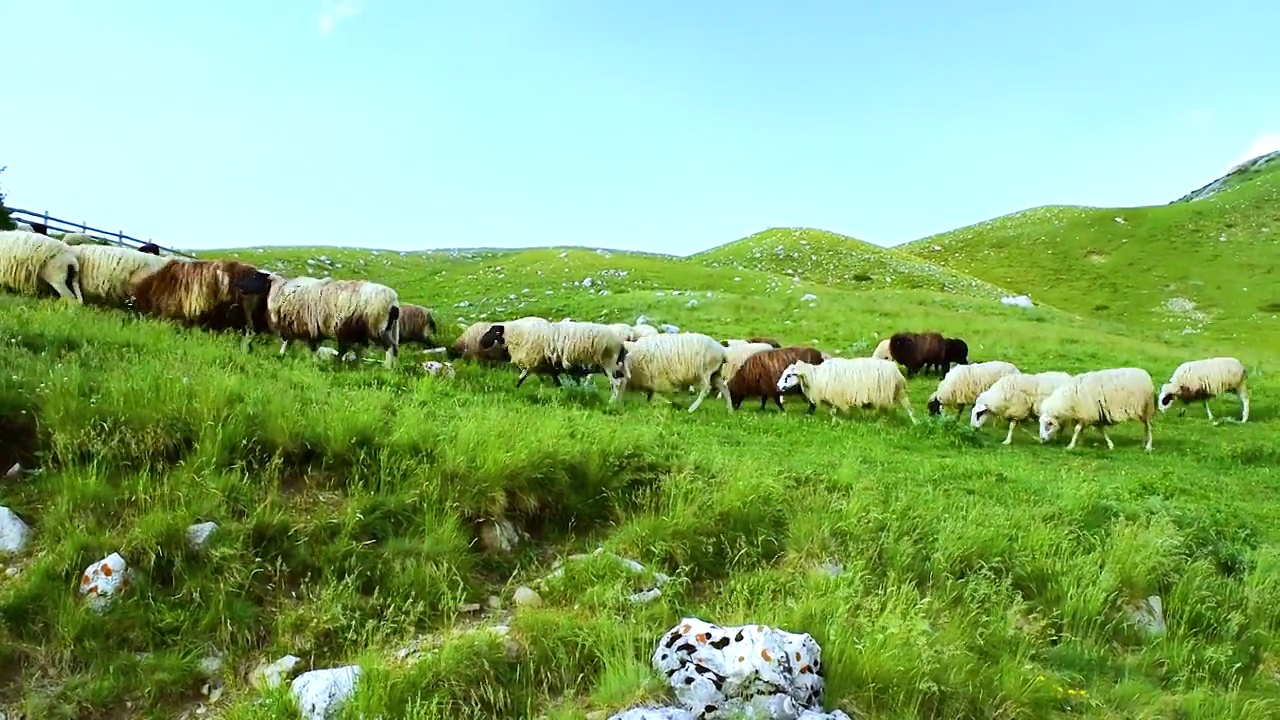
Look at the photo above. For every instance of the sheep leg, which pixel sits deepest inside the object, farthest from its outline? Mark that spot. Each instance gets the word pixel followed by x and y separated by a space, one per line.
pixel 1243 394
pixel 812 407
pixel 702 392
pixel 1075 436
pixel 523 375
pixel 284 345
pixel 724 391
pixel 1147 425
pixel 777 399
pixel 1207 411
pixel 1105 436
pixel 1008 439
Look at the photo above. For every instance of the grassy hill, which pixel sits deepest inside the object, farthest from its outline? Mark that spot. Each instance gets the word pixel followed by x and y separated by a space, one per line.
pixel 1209 265
pixel 827 258
pixel 944 575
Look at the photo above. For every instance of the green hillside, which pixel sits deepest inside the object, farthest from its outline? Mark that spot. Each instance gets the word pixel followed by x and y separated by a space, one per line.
pixel 944 575
pixel 835 260
pixel 1205 266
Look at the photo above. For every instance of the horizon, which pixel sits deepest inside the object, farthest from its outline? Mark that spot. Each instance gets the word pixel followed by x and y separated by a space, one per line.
pixel 662 129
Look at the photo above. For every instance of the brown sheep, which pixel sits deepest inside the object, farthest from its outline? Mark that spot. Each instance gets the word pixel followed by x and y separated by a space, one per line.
pixel 206 293
pixel 758 376
pixel 416 325
pixel 765 340
pixel 915 351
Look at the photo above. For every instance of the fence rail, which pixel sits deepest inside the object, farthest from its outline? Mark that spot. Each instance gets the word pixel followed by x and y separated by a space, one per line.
pixel 44 222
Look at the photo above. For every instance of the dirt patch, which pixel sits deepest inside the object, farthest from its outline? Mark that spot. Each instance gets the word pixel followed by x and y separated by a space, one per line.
pixel 19 440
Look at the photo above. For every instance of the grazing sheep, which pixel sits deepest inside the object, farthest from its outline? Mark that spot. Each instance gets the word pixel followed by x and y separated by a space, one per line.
pixel 416 325
pixel 1205 379
pixel 963 384
pixel 759 374
pixel 624 331
pixel 1016 398
pixel 352 312
pixel 467 346
pixel 846 383
pixel 915 351
pixel 643 330
pixel 564 347
pixel 673 362
pixel 767 341
pixel 882 351
pixel 1100 398
pixel 107 272
pixel 738 354
pixel 27 259
pixel 955 351
pixel 207 293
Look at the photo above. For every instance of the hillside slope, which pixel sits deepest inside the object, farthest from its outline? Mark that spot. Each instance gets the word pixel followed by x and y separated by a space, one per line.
pixel 836 260
pixel 1210 266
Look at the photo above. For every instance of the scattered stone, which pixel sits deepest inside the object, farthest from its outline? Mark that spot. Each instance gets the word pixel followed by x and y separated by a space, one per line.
pixel 691 304
pixel 494 602
pixel 1120 220
pixel 104 580
pixel 266 677
pixel 831 567
pixel 499 535
pixel 586 282
pixel 526 597
pixel 326 352
pixel 646 596
pixel 321 693
pixel 643 320
pixel 210 667
pixel 1017 301
pixel 442 350
pixel 654 713
pixel 198 535
pixel 14 471
pixel 670 329
pixel 807 297
pixel 439 369
pixel 469 607
pixel 749 670
pixel 1148 615
pixel 14 534
pixel 12 571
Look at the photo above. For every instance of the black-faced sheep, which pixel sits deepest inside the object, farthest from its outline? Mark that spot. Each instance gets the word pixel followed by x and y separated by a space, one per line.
pixel 1015 398
pixel 30 261
pixel 956 352
pixel 673 362
pixel 916 351
pixel 759 374
pixel 352 312
pixel 559 348
pixel 1204 379
pixel 847 383
pixel 107 272
pixel 767 341
pixel 963 384
pixel 204 293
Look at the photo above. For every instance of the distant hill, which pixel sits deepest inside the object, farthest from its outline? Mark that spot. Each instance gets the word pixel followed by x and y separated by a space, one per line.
pixel 835 260
pixel 1207 263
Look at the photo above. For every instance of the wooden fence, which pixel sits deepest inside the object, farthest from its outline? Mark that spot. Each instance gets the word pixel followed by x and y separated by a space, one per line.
pixel 43 223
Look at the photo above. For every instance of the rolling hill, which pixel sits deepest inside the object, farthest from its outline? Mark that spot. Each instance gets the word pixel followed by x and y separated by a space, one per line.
pixel 1208 263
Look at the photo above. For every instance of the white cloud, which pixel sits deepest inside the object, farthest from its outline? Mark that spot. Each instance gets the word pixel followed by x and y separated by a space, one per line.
pixel 333 12
pixel 1268 143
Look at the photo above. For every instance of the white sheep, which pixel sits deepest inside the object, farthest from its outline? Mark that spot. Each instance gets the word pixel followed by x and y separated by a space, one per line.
pixel 1016 398
pixel 1205 379
pixel 738 354
pixel 1098 399
pixel 561 347
pixel 352 312
pixel 882 351
pixel 25 227
pixel 846 383
pixel 643 330
pixel 107 272
pixel 963 383
pixel 673 362
pixel 624 331
pixel 28 258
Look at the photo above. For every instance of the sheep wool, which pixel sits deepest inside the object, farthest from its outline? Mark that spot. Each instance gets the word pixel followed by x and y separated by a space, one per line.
pixel 416 324
pixel 643 330
pixel 1099 399
pixel 555 348
pixel 673 362
pixel 108 272
pixel 758 376
pixel 624 331
pixel 738 354
pixel 882 351
pixel 846 383
pixel 29 259
pixel 963 383
pixel 1206 379
pixel 1016 397
pixel 352 312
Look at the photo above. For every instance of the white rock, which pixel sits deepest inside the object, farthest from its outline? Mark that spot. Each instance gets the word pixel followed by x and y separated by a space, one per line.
pixel 643 320
pixel 14 471
pixel 807 297
pixel 326 352
pixel 321 693
pixel 691 304
pixel 104 580
pixel 1120 220
pixel 439 369
pixel 14 533
pixel 527 597
pixel 751 670
pixel 1148 614
pixel 210 666
pixel 654 713
pixel 499 535
pixel 266 677
pixel 737 279
pixel 1017 301
pixel 198 534
pixel 646 596
pixel 670 329
pixel 586 282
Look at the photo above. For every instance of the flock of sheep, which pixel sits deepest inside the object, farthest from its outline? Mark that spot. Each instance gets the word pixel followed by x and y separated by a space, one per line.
pixel 228 294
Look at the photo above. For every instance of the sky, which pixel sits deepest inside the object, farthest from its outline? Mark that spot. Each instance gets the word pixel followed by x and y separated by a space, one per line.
pixel 665 126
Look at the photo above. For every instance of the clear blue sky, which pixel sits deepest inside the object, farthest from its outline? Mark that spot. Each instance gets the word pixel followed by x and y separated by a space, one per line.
pixel 659 125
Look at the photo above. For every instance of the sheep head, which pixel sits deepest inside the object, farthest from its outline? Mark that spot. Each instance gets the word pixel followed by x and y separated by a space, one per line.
pixel 979 415
pixel 1168 393
pixel 495 335
pixel 790 377
pixel 934 405
pixel 259 283
pixel 1049 427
